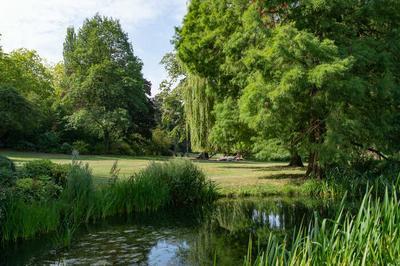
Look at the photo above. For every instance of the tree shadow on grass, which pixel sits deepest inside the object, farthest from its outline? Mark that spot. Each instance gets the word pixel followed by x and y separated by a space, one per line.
pixel 265 168
pixel 284 176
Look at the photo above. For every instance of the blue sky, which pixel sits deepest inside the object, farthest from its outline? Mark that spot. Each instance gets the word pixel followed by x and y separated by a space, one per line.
pixel 42 24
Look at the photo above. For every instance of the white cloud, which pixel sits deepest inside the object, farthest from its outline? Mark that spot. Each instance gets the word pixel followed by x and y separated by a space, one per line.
pixel 41 24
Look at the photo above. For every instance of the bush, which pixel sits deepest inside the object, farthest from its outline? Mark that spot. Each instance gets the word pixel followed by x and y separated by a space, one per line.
pixel 48 142
pixel 81 146
pixel 45 168
pixel 122 148
pixel 66 148
pixel 6 164
pixel 160 142
pixel 36 168
pixel 42 189
pixel 25 146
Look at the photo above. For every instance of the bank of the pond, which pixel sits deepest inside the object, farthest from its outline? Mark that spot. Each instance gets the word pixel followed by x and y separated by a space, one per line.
pixel 178 236
pixel 173 184
pixel 371 236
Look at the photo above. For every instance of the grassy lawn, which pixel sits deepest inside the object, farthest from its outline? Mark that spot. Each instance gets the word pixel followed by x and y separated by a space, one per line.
pixel 233 178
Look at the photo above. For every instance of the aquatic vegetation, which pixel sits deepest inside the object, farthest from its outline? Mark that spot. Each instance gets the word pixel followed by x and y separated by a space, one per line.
pixel 160 185
pixel 370 237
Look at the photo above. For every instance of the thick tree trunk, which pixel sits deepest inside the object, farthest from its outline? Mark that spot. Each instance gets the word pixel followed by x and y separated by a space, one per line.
pixel 204 156
pixel 314 168
pixel 295 159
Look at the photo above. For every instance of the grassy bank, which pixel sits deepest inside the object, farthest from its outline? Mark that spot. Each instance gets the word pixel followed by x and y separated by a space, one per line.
pixel 247 178
pixel 173 184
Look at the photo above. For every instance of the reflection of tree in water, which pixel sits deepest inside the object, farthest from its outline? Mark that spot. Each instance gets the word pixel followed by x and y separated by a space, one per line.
pixel 226 233
pixel 183 237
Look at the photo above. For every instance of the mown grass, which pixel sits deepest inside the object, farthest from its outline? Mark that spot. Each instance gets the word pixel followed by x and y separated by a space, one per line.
pixel 370 237
pixel 247 178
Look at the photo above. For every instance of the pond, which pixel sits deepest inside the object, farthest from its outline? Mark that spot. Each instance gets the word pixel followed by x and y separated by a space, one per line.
pixel 180 237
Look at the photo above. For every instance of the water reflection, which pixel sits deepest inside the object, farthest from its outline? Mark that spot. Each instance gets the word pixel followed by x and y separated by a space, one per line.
pixel 175 238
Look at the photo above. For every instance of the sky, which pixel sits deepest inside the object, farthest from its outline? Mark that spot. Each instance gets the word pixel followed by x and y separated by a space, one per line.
pixel 41 25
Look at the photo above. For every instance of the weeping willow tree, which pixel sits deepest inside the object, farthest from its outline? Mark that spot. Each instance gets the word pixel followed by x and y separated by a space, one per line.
pixel 198 111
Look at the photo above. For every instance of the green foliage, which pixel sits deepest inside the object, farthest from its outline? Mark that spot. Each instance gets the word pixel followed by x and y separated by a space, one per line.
pixel 107 86
pixel 229 134
pixel 16 113
pixel 369 237
pixel 6 164
pixel 170 105
pixel 198 107
pixel 81 146
pixel 26 220
pixel 48 141
pixel 40 189
pixel 186 183
pixel 319 76
pixel 38 169
pixel 66 148
pixel 269 150
pixel 161 142
pixel 160 185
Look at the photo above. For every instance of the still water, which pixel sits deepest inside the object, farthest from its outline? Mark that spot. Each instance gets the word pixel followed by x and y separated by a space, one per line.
pixel 181 237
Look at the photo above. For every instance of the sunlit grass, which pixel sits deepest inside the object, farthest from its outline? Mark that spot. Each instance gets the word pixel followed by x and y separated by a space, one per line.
pixel 233 178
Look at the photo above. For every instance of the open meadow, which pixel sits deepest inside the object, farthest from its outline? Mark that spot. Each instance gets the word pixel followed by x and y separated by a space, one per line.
pixel 232 178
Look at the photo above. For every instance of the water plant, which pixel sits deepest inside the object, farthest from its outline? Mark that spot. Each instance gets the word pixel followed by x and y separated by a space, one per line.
pixel 370 237
pixel 159 186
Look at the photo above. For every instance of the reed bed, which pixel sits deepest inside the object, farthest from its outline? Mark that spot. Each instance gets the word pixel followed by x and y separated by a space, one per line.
pixel 178 183
pixel 369 237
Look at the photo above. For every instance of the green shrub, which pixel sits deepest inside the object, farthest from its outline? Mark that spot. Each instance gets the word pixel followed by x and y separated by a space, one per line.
pixel 160 142
pixel 81 146
pixel 7 177
pixel 41 189
pixel 36 168
pixel 66 148
pixel 6 163
pixel 25 146
pixel 45 168
pixel 48 142
pixel 122 147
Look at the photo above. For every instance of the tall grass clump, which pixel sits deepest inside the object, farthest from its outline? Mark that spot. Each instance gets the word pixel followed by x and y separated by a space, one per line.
pixel 160 185
pixel 25 220
pixel 370 237
pixel 353 180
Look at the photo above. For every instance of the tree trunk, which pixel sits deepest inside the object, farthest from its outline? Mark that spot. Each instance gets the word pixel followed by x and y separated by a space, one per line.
pixel 295 159
pixel 314 167
pixel 106 142
pixel 203 156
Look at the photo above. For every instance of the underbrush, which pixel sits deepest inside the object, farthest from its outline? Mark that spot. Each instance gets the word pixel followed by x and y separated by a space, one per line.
pixel 177 183
pixel 370 237
pixel 354 180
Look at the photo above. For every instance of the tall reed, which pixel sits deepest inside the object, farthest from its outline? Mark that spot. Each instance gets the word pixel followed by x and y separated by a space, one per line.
pixel 371 237
pixel 160 185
